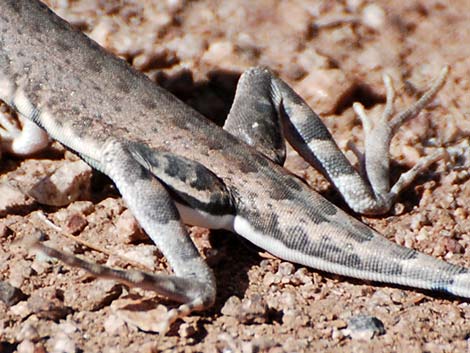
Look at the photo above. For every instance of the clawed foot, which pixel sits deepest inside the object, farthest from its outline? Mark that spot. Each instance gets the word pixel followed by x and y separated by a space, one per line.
pixel 21 137
pixel 375 162
pixel 148 281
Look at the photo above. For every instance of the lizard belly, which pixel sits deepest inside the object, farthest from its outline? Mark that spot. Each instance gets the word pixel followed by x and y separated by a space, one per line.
pixel 195 217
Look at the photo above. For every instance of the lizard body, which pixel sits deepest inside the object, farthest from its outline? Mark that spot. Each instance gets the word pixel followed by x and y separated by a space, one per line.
pixel 172 165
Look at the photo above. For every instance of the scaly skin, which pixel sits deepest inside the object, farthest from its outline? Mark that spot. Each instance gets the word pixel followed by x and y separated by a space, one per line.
pixel 154 147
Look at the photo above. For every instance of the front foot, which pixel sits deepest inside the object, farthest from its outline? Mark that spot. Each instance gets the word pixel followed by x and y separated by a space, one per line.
pixel 21 137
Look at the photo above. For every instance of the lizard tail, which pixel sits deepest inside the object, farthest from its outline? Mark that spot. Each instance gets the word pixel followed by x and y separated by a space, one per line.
pixel 327 239
pixel 383 261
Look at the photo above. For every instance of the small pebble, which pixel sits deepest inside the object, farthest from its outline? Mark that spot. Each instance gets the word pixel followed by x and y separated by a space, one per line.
pixel 286 268
pixel 21 309
pixel 142 254
pixel 128 229
pixel 29 330
pixel 4 231
pixel 364 327
pixel 25 346
pixel 325 89
pixel 63 344
pixel 294 318
pixel 46 304
pixel 76 223
pixel 92 296
pixel 186 330
pixel 373 16
pixel 249 310
pixel 231 306
pixel 114 325
pixel 20 271
pixel 70 182
pixel 10 295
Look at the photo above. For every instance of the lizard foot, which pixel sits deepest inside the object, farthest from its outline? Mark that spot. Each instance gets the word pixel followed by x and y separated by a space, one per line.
pixel 195 296
pixel 375 161
pixel 21 136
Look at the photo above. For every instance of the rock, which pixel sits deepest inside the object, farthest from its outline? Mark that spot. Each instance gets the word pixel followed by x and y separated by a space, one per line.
pixel 70 182
pixel 286 268
pixel 46 304
pixel 253 310
pixel 10 295
pixel 143 314
pixel 41 264
pixel 142 254
pixel 19 272
pixel 186 330
pixel 128 229
pixel 76 223
pixel 25 346
pixel 325 89
pixel 63 344
pixel 114 325
pixel 249 310
pixel 4 230
pixel 231 306
pixel 21 309
pixel 364 327
pixel 294 318
pixel 223 53
pixel 373 16
pixel 114 207
pixel 73 219
pixel 92 296
pixel 29 330
pixel 285 274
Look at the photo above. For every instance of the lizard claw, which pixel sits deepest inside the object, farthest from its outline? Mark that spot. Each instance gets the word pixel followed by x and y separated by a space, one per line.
pixel 20 136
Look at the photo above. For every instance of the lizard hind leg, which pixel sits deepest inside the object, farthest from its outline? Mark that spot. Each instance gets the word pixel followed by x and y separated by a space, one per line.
pixel 255 116
pixel 193 282
pixel 266 110
pixel 369 193
pixel 201 197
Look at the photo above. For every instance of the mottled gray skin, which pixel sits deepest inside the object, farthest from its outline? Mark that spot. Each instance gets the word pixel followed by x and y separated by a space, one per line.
pixel 155 147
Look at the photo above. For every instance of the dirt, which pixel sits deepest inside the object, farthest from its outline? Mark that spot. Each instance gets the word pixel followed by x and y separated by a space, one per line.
pixel 332 53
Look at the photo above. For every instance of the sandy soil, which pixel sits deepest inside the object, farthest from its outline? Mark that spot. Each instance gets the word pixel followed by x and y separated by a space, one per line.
pixel 332 54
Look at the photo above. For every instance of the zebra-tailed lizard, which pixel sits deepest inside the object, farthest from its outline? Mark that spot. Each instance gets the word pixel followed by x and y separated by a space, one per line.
pixel 172 166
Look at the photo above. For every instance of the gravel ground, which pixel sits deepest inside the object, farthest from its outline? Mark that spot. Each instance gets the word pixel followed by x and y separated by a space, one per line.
pixel 332 53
